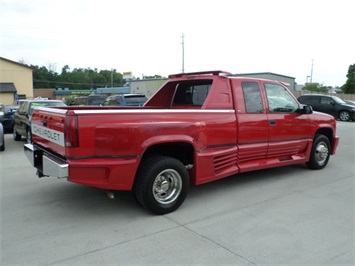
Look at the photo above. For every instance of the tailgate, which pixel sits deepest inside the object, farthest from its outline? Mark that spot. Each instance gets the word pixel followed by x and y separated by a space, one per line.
pixel 47 125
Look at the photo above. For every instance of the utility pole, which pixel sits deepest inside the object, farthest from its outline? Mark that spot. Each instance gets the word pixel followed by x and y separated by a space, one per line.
pixel 311 72
pixel 183 55
pixel 111 78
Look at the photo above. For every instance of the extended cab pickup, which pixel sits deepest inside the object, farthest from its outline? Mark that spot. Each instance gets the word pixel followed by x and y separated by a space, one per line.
pixel 197 128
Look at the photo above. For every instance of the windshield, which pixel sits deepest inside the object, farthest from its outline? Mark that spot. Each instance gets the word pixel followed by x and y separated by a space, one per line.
pixel 35 104
pixel 338 100
pixel 11 109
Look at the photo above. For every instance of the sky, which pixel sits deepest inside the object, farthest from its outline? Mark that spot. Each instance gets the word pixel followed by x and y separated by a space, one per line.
pixel 145 37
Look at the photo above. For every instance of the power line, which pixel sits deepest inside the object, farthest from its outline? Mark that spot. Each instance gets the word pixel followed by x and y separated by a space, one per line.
pixel 69 83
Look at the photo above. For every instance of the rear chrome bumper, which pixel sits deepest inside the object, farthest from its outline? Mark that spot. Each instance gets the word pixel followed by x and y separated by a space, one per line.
pixel 46 164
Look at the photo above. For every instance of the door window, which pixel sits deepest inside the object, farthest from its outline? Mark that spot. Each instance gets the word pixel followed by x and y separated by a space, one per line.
pixel 326 100
pixel 252 97
pixel 279 99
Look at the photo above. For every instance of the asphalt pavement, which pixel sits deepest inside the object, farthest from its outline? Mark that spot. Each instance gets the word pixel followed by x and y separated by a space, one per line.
pixel 282 216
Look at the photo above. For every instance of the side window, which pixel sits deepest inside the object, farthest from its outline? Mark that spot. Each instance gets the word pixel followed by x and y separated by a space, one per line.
pixel 314 99
pixel 326 100
pixel 252 97
pixel 116 101
pixel 279 99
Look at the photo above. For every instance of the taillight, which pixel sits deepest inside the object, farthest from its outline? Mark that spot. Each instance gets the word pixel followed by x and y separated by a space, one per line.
pixel 71 130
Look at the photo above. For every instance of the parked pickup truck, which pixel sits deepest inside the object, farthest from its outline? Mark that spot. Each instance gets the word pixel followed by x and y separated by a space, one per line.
pixel 197 128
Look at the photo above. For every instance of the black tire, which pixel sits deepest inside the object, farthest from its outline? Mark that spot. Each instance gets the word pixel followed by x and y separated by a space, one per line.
pixel 15 135
pixel 161 184
pixel 344 115
pixel 320 153
pixel 2 147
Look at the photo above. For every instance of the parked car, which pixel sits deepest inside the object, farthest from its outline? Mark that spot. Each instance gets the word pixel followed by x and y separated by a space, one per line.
pixel 125 100
pixel 350 102
pixel 2 139
pixel 6 116
pixel 96 99
pixel 79 100
pixel 332 105
pixel 22 117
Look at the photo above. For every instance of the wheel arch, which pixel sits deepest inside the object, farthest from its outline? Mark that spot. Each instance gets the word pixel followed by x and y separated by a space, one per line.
pixel 328 132
pixel 180 150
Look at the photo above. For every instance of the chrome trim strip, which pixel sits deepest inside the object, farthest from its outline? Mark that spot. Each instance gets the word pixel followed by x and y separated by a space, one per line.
pixel 145 111
pixel 52 110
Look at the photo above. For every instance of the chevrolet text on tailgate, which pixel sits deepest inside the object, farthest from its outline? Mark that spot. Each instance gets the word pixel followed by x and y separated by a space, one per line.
pixel 197 128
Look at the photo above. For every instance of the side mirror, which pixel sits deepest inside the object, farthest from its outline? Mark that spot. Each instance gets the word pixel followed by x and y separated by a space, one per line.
pixel 306 109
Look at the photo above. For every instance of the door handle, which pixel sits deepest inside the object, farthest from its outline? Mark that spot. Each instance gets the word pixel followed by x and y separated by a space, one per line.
pixel 272 122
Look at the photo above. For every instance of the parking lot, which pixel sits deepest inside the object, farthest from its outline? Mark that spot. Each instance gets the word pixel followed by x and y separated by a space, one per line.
pixel 289 215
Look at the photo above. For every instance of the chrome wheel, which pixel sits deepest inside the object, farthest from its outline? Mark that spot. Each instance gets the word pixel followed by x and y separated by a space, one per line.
pixel 344 116
pixel 167 186
pixel 321 153
pixel 161 184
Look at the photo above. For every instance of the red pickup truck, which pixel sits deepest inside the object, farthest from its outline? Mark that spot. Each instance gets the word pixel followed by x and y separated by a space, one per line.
pixel 197 128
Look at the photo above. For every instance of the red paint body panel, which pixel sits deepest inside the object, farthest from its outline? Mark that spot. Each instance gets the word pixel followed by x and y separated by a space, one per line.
pixel 223 138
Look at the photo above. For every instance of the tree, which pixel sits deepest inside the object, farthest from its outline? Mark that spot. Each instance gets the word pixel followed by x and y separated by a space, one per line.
pixel 152 77
pixel 349 86
pixel 76 79
pixel 315 87
pixel 43 77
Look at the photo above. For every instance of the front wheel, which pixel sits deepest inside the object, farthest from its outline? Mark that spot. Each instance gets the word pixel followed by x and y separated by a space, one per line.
pixel 161 184
pixel 344 116
pixel 320 153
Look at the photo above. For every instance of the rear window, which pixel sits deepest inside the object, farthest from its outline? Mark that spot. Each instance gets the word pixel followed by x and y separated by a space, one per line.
pixel 192 92
pixel 135 99
pixel 96 100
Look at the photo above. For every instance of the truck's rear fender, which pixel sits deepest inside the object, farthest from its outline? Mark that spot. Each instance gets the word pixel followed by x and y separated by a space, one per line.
pixel 179 148
pixel 182 151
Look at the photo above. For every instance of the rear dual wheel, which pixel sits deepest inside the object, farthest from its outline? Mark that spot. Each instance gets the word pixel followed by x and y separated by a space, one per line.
pixel 161 184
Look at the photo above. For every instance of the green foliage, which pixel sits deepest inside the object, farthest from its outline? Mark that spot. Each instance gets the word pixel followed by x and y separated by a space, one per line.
pixel 43 77
pixel 316 87
pixel 349 86
pixel 76 79
pixel 152 77
pixel 69 100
